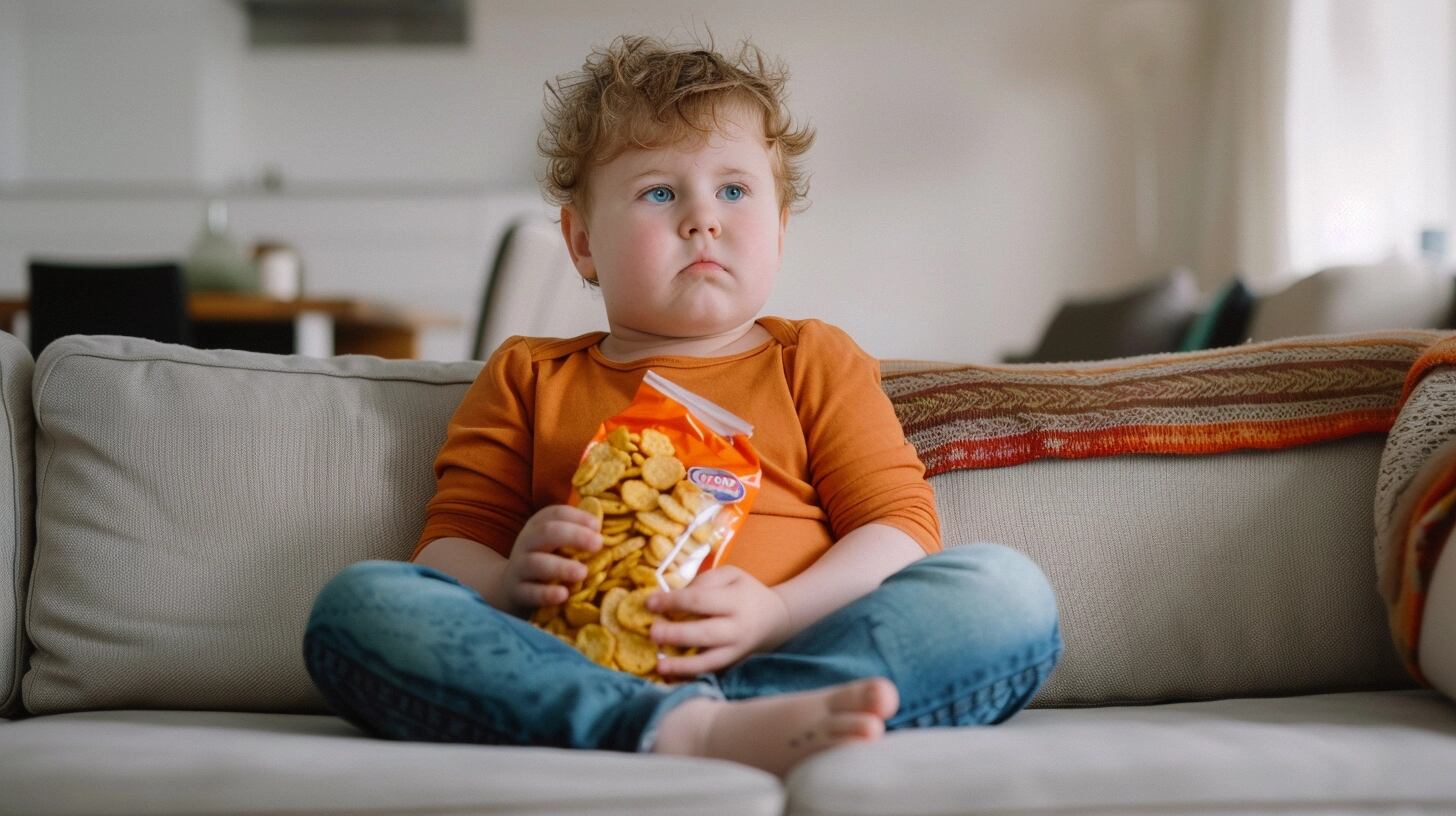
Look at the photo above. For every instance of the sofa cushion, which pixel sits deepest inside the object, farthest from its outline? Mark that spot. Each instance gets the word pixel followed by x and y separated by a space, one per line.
pixel 1149 319
pixel 1182 576
pixel 1355 299
pixel 1379 752
pixel 1193 577
pixel 17 513
pixel 191 503
pixel 1224 323
pixel 161 762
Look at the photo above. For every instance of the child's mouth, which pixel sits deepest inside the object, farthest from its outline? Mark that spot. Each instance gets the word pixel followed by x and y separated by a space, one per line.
pixel 702 267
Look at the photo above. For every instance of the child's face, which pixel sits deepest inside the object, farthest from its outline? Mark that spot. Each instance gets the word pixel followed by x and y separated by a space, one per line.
pixel 685 241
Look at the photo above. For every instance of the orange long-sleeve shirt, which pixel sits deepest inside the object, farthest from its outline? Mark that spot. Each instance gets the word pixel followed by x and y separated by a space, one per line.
pixel 834 456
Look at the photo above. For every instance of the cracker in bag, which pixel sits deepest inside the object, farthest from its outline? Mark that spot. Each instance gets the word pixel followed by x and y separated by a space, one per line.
pixel 672 478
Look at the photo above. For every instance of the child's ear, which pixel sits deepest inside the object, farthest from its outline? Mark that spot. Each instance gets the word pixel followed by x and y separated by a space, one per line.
pixel 578 243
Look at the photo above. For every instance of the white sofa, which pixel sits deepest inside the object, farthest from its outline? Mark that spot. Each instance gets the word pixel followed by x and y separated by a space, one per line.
pixel 173 511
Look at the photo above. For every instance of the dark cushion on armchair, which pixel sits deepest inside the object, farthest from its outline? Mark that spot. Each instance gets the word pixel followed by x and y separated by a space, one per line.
pixel 1150 319
pixel 1224 323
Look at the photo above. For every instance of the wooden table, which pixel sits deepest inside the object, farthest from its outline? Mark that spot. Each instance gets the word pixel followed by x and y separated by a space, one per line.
pixel 319 326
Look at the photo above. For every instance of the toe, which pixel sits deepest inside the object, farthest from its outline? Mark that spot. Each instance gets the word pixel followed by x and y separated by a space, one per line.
pixel 880 697
pixel 854 727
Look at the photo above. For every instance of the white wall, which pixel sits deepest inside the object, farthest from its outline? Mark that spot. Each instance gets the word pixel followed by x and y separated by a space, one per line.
pixel 110 91
pixel 12 86
pixel 974 164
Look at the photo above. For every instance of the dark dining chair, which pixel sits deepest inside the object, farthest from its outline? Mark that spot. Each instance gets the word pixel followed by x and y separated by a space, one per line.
pixel 141 300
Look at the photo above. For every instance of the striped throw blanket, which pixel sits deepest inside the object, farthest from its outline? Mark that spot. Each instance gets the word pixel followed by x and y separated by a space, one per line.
pixel 1261 396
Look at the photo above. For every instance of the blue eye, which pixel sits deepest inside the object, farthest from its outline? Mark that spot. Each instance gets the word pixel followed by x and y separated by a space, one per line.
pixel 733 192
pixel 659 195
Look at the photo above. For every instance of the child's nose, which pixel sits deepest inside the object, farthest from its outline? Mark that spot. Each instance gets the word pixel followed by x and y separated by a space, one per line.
pixel 700 220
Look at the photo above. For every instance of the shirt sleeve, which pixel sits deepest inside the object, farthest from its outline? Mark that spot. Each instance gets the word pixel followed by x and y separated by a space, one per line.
pixel 483 471
pixel 862 467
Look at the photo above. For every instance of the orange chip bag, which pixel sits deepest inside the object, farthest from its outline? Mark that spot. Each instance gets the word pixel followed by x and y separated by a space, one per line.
pixel 672 478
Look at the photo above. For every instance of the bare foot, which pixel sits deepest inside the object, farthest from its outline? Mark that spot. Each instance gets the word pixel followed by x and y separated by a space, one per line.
pixel 775 733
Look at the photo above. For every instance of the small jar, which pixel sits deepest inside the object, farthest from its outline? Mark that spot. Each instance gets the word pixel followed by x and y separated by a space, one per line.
pixel 280 270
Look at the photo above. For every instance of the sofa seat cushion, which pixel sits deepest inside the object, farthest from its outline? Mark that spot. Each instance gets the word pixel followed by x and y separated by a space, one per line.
pixel 161 762
pixel 1364 752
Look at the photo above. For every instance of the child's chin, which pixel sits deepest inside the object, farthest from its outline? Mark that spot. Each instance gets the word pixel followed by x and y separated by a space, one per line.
pixel 700 316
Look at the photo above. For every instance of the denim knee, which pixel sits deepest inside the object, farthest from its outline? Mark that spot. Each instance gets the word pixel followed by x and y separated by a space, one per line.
pixel 387 613
pixel 365 579
pixel 367 597
pixel 1002 581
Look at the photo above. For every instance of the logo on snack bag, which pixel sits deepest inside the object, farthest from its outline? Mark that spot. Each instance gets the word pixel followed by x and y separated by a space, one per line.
pixel 719 483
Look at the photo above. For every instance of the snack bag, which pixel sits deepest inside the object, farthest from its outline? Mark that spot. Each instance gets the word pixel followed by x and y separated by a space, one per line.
pixel 672 477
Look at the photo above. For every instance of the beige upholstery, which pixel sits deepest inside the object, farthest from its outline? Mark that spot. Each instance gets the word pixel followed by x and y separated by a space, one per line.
pixel 1351 299
pixel 17 512
pixel 1189 577
pixel 536 291
pixel 1336 754
pixel 187 762
pixel 192 503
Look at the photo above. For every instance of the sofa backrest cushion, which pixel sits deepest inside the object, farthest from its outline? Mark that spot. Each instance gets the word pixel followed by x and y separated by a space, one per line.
pixel 1187 565
pixel 191 503
pixel 17 513
pixel 1149 319
pixel 1247 573
pixel 1348 299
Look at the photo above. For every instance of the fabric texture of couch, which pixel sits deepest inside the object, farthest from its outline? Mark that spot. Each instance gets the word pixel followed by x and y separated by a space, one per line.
pixel 174 511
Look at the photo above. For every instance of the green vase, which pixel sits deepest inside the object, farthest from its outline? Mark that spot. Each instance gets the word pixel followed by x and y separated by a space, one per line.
pixel 216 263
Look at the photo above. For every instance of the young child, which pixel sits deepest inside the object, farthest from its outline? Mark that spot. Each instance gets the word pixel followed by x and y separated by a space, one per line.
pixel 836 615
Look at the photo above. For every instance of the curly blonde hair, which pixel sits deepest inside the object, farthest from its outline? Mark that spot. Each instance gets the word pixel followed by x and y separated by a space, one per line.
pixel 640 92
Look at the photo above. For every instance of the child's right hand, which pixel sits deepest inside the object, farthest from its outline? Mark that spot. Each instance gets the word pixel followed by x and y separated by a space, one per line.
pixel 536 574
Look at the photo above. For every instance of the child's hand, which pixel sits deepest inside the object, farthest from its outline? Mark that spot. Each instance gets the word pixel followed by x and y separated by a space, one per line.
pixel 739 616
pixel 536 575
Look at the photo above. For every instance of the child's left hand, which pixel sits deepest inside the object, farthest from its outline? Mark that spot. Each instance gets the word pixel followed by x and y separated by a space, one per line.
pixel 739 616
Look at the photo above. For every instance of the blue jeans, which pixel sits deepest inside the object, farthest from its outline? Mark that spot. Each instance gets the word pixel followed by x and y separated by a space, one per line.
pixel 406 652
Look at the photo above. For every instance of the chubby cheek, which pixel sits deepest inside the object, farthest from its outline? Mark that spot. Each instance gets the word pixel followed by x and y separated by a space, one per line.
pixel 761 250
pixel 628 270
pixel 642 244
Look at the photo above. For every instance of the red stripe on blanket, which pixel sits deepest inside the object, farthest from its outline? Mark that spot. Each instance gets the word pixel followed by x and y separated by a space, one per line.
pixel 1149 439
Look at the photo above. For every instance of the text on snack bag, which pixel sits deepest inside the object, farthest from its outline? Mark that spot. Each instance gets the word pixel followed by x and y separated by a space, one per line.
pixel 723 485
